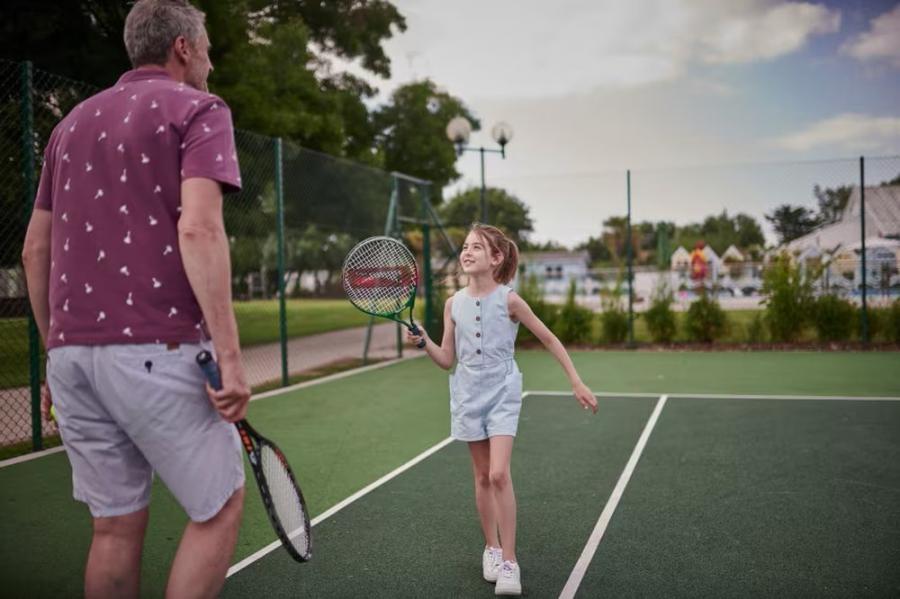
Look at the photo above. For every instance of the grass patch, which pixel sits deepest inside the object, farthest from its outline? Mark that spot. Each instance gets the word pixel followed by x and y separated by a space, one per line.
pixel 316 373
pixel 23 447
pixel 258 320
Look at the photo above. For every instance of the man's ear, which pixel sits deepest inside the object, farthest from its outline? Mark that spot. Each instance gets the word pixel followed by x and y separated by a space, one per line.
pixel 181 49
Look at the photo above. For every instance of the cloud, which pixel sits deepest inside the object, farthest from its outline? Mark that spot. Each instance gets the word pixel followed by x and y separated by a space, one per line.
pixel 849 131
pixel 768 34
pixel 506 48
pixel 881 41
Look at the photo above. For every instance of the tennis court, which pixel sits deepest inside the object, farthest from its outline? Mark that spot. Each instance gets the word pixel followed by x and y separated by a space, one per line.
pixel 730 474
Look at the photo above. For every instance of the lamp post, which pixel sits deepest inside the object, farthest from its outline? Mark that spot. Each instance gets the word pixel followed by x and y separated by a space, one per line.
pixel 458 131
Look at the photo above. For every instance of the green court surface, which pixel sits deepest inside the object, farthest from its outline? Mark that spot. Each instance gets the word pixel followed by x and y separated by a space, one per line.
pixel 729 496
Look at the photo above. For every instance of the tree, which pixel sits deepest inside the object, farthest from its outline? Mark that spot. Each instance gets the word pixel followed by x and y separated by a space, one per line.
pixel 596 249
pixel 506 210
pixel 411 129
pixel 791 222
pixel 894 181
pixel 832 202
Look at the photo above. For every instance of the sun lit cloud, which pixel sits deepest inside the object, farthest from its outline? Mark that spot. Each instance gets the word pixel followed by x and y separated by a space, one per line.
pixel 880 42
pixel 855 132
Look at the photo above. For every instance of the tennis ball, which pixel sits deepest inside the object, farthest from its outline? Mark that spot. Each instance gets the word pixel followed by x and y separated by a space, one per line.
pixel 52 414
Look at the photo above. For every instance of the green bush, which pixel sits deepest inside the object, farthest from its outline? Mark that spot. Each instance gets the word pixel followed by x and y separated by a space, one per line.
pixel 660 317
pixel 789 298
pixel 613 318
pixel 573 323
pixel 529 289
pixel 892 324
pixel 705 320
pixel 833 318
pixel 756 329
pixel 877 322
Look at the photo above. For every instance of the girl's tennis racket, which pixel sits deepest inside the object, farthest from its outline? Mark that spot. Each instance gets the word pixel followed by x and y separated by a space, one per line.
pixel 380 278
pixel 280 493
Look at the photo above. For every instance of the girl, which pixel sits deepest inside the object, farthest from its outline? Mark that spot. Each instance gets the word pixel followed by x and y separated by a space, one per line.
pixel 480 326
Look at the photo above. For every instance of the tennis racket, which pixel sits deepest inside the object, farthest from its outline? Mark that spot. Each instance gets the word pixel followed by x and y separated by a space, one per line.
pixel 380 278
pixel 280 493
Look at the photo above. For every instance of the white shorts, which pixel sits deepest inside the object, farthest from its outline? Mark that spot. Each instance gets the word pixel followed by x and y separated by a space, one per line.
pixel 127 411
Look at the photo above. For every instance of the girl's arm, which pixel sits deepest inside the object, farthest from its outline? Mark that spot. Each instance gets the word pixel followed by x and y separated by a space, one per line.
pixel 521 311
pixel 445 353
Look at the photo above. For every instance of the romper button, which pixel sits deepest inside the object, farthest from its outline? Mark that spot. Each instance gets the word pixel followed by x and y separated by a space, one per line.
pixel 478 334
pixel 478 351
pixel 477 318
pixel 477 303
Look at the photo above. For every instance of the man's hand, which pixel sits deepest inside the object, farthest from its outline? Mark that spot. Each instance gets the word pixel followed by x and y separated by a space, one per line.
pixel 232 399
pixel 46 402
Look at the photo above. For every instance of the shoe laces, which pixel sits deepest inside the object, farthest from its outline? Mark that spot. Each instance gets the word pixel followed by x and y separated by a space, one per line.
pixel 508 569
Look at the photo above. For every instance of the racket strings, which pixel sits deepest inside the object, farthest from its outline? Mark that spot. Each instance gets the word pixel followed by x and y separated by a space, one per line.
pixel 379 276
pixel 285 499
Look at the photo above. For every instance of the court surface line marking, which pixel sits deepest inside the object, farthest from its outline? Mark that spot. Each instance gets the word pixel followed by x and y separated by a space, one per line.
pixel 590 548
pixel 342 504
pixel 325 379
pixel 720 396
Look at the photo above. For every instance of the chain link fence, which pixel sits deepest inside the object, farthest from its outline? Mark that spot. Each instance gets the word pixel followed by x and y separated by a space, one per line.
pixel 715 232
pixel 298 214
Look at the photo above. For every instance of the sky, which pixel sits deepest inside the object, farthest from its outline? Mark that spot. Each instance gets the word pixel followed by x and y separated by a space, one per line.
pixel 739 105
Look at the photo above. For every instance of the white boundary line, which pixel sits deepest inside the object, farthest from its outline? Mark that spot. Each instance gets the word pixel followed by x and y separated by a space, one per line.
pixel 341 505
pixel 722 396
pixel 30 456
pixel 325 379
pixel 587 554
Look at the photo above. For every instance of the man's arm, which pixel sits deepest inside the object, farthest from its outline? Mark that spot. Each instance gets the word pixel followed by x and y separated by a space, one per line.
pixel 36 259
pixel 205 255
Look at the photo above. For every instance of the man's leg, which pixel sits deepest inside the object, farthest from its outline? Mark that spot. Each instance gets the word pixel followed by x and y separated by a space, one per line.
pixel 205 553
pixel 114 561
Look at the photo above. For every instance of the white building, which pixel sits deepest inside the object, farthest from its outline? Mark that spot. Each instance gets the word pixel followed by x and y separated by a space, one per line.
pixel 554 270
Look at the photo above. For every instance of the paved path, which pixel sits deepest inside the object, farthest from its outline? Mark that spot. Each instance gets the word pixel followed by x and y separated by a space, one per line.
pixel 262 362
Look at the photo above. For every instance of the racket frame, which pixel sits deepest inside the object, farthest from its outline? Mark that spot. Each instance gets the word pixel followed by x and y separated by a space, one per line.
pixel 410 303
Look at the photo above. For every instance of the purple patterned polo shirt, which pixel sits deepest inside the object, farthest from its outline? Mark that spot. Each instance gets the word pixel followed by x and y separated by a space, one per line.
pixel 112 179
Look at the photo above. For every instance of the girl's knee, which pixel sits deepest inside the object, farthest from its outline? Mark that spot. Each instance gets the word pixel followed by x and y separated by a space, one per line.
pixel 483 478
pixel 499 478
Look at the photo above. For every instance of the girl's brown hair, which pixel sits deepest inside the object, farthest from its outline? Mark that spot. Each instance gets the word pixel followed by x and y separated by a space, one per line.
pixel 503 245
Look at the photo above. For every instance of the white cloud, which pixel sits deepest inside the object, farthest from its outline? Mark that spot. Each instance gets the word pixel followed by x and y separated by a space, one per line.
pixel 506 48
pixel 768 34
pixel 882 41
pixel 856 132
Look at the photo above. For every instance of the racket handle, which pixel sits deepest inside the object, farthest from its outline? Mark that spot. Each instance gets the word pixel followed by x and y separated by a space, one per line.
pixel 416 331
pixel 208 364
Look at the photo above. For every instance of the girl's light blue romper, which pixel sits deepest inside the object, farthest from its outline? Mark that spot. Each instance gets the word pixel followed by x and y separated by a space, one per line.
pixel 486 388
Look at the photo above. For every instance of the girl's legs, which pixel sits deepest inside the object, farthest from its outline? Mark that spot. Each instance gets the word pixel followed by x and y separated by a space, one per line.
pixel 484 497
pixel 504 497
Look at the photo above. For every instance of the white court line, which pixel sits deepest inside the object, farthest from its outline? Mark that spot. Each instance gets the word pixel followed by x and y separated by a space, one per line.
pixel 587 554
pixel 325 379
pixel 31 456
pixel 723 396
pixel 339 506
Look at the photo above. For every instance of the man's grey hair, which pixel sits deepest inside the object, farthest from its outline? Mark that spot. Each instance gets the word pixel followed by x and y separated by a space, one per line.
pixel 153 25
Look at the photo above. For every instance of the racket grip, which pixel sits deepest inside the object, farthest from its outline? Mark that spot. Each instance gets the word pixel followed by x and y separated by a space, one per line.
pixel 208 364
pixel 416 331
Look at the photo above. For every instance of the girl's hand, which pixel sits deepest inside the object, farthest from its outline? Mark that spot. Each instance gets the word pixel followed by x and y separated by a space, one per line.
pixel 415 340
pixel 585 397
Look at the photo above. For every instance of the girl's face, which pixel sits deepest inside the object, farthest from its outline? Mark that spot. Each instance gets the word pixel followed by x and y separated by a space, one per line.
pixel 475 256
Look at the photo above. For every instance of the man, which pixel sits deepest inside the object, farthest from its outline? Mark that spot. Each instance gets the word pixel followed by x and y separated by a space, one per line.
pixel 127 265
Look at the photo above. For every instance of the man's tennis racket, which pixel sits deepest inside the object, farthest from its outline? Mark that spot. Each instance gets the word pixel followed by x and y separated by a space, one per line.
pixel 280 493
pixel 380 278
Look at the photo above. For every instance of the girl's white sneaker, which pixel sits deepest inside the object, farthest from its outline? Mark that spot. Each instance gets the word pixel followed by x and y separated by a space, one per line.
pixel 490 563
pixel 509 579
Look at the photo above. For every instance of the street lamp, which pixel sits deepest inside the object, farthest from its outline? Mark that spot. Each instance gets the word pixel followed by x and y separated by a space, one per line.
pixel 458 131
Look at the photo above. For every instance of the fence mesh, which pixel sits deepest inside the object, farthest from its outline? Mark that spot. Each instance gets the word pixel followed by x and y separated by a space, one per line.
pixel 325 204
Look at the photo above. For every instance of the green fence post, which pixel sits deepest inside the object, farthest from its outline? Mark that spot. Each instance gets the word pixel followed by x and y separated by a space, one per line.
pixel 28 173
pixel 282 305
pixel 864 314
pixel 629 253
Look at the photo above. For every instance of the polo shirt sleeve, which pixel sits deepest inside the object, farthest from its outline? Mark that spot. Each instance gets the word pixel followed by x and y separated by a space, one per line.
pixel 208 149
pixel 44 198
